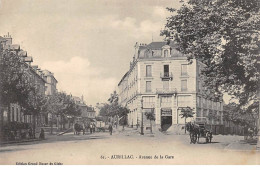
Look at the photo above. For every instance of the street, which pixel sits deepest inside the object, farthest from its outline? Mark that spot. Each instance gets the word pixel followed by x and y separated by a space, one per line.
pixel 128 147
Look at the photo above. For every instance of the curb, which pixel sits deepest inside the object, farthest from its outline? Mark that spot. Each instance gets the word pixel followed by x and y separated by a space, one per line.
pixel 17 142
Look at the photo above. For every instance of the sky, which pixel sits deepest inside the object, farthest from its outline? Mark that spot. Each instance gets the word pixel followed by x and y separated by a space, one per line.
pixel 87 44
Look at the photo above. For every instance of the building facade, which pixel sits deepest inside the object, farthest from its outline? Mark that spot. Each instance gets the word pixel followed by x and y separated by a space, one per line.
pixel 162 81
pixel 51 83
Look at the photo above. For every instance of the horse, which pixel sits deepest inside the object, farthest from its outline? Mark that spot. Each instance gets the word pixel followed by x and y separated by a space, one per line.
pixel 194 131
pixel 78 128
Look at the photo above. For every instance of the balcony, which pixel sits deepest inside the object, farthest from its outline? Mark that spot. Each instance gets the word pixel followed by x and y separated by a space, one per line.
pixel 165 91
pixel 166 76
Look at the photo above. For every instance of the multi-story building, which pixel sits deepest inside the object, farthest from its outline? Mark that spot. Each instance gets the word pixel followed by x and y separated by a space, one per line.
pixel 51 83
pixel 161 80
pixel 33 75
pixel 87 112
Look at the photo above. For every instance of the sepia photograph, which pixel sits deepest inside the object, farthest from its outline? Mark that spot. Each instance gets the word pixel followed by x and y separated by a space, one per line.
pixel 129 82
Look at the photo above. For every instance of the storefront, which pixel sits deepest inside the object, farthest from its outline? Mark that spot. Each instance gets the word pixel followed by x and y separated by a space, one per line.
pixel 166 118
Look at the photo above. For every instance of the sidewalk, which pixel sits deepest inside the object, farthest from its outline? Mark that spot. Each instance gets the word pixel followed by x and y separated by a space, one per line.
pixel 19 141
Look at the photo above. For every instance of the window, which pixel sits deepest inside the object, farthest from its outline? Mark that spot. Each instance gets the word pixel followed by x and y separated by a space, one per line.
pixel 166 99
pixel 17 115
pixel 166 70
pixel 198 112
pixel 12 119
pixel 148 99
pixel 165 85
pixel 165 53
pixel 184 69
pixel 148 70
pixel 148 86
pixel 183 85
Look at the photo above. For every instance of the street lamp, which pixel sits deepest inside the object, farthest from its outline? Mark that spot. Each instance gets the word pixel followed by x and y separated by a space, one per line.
pixel 142 122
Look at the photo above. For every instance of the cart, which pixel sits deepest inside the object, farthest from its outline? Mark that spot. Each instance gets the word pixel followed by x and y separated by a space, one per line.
pixel 205 131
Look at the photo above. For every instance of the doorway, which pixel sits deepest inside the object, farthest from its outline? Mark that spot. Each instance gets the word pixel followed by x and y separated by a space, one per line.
pixel 166 119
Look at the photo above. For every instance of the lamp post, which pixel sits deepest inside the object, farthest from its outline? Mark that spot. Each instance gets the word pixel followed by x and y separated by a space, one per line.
pixel 142 122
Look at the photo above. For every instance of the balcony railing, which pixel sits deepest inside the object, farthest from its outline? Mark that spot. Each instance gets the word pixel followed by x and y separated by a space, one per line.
pixel 165 91
pixel 166 75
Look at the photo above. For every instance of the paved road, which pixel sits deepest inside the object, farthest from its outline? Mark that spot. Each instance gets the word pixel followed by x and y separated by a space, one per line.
pixel 130 148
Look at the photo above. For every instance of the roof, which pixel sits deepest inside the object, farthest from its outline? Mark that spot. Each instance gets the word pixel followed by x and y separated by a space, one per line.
pixel 2 39
pixel 34 66
pixel 76 98
pixel 12 47
pixel 28 59
pixel 22 53
pixel 159 45
pixel 123 78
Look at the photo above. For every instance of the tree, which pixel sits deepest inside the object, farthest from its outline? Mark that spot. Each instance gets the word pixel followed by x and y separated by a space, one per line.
pixel 224 35
pixel 123 112
pixel 186 112
pixel 150 116
pixel 15 86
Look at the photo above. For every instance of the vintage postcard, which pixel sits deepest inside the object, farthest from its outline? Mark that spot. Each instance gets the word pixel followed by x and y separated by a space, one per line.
pixel 120 82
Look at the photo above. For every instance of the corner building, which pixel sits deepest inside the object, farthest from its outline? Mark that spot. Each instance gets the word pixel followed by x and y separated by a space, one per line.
pixel 161 80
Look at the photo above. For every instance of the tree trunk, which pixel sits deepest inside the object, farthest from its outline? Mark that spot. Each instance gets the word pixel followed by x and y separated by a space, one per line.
pixel 51 124
pixel 34 125
pixel 185 124
pixel 151 126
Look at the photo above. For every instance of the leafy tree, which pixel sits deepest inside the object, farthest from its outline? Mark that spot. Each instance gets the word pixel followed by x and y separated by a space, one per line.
pixel 224 35
pixel 243 117
pixel 123 112
pixel 186 112
pixel 151 117
pixel 15 86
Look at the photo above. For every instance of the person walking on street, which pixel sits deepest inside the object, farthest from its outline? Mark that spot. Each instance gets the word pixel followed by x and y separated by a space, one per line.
pixel 90 128
pixel 110 128
pixel 42 136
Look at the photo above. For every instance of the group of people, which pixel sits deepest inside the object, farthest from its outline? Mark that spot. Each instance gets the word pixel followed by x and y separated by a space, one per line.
pixel 92 127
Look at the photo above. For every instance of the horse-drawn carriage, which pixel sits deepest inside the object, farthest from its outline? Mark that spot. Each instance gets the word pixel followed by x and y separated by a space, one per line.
pixel 199 130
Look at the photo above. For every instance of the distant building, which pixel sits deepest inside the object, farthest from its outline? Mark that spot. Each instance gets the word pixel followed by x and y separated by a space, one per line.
pixel 98 107
pixel 161 80
pixel 87 112
pixel 51 83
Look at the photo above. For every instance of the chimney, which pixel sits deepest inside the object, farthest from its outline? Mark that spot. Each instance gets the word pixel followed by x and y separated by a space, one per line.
pixel 8 39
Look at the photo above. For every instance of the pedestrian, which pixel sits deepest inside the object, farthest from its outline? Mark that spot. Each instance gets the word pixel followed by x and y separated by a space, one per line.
pixel 110 128
pixel 94 127
pixel 90 128
pixel 83 127
pixel 42 136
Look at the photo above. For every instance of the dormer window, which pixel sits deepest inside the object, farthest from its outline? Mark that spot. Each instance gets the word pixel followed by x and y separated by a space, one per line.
pixel 166 51
pixel 165 54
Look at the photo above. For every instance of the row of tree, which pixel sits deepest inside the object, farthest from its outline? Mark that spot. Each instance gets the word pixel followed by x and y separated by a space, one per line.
pixel 17 87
